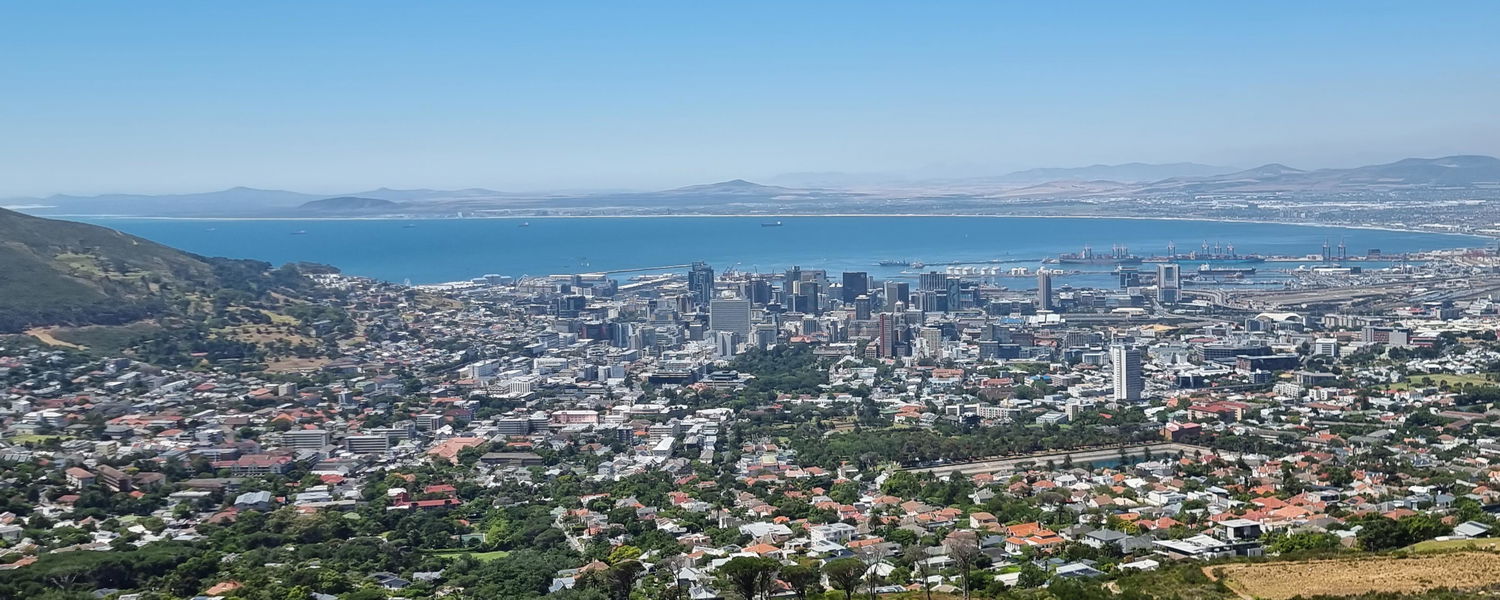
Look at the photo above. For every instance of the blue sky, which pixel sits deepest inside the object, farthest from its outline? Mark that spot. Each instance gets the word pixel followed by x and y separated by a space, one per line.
pixel 339 96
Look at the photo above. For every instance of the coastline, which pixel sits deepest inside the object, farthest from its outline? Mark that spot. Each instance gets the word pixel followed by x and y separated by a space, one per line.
pixel 1371 227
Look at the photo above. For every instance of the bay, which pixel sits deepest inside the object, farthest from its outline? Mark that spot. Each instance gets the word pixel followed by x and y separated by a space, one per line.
pixel 440 250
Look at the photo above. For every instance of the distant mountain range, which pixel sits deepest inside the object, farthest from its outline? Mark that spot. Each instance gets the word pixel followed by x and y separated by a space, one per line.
pixel 1451 173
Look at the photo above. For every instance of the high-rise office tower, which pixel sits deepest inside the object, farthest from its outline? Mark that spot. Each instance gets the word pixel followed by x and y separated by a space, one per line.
pixel 730 314
pixel 897 291
pixel 1044 290
pixel 932 341
pixel 1125 364
pixel 725 343
pixel 856 284
pixel 887 334
pixel 788 285
pixel 809 297
pixel 759 291
pixel 932 280
pixel 701 283
pixel 1168 282
pixel 954 289
pixel 862 308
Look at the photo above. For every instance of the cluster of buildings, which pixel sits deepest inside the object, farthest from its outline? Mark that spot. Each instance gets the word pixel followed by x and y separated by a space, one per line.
pixel 521 381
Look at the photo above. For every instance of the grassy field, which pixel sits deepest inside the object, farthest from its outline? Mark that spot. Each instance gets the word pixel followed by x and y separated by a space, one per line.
pixel 479 556
pixel 106 339
pixel 23 439
pixel 1437 546
pixel 1451 379
pixel 1353 576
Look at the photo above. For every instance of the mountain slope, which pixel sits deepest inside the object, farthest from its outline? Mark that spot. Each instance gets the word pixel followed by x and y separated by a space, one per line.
pixel 1464 172
pixel 350 205
pixel 65 273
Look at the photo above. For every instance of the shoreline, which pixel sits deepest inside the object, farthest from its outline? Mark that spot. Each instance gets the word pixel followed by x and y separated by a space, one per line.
pixel 1369 227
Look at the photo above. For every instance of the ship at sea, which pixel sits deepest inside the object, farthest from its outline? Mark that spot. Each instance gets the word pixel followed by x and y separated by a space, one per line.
pixel 894 263
pixel 771 224
pixel 1119 255
pixel 1216 253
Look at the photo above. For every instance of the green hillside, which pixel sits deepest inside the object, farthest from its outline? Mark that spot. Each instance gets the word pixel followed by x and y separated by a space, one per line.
pixel 64 273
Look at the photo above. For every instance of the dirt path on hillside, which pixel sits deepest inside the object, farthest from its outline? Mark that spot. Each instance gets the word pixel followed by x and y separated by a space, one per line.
pixel 44 335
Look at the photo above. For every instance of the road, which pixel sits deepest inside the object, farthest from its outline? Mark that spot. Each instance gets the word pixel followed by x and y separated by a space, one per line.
pixel 1009 463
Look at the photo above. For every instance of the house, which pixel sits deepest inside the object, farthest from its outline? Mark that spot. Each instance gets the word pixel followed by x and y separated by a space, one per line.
pixel 261 501
pixel 389 581
pixel 79 478
pixel 767 533
pixel 1470 529
pixel 1204 547
pixel 1103 538
pixel 982 520
pixel 837 533
pixel 1240 529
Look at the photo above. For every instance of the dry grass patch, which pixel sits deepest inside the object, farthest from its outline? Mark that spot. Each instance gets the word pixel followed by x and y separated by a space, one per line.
pixel 1353 576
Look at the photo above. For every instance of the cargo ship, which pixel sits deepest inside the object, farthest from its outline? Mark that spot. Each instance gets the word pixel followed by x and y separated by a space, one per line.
pixel 1119 255
pixel 1215 253
pixel 894 263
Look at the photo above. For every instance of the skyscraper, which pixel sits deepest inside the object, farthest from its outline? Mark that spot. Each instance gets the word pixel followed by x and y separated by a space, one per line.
pixel 1043 290
pixel 897 291
pixel 887 334
pixel 932 280
pixel 788 283
pixel 856 284
pixel 932 341
pixel 808 296
pixel 701 283
pixel 954 290
pixel 730 314
pixel 759 291
pixel 1168 283
pixel 1125 365
pixel 862 308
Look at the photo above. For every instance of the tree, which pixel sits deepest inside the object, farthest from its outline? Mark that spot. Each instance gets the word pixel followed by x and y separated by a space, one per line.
pixel 802 577
pixel 919 560
pixel 1031 576
pixel 872 556
pixel 749 578
pixel 844 575
pixel 620 579
pixel 963 548
pixel 1307 541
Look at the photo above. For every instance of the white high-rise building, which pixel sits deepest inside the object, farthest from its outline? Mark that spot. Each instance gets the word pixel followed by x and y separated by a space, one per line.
pixel 1168 283
pixel 1044 290
pixel 1125 364
pixel 1326 347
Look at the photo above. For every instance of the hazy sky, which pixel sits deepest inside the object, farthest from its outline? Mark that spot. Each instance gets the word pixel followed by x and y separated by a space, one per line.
pixel 339 96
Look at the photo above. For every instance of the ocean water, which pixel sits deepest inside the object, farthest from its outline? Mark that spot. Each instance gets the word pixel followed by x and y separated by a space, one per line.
pixel 440 250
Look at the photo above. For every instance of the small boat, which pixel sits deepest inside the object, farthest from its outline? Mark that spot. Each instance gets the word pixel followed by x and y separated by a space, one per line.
pixel 300 232
pixel 524 224
pixel 771 224
pixel 409 226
